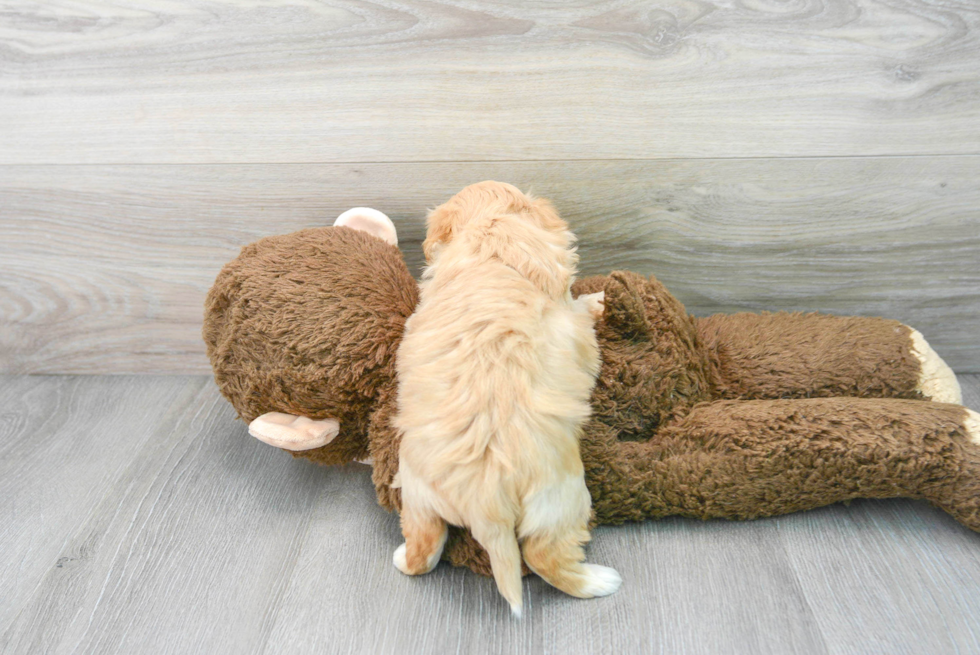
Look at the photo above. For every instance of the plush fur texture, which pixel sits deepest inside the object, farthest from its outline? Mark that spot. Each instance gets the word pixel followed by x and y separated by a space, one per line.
pixel 495 371
pixel 303 324
pixel 734 417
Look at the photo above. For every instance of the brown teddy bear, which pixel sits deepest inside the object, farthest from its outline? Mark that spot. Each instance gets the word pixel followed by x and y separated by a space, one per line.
pixel 729 416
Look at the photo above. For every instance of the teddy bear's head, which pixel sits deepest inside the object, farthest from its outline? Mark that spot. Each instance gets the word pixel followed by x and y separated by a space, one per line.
pixel 308 324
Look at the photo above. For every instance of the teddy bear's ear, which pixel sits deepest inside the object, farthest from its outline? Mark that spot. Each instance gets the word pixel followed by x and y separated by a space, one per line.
pixel 371 221
pixel 293 432
pixel 625 310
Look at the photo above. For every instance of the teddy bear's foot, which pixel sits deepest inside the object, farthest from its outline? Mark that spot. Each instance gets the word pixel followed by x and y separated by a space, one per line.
pixel 972 425
pixel 936 379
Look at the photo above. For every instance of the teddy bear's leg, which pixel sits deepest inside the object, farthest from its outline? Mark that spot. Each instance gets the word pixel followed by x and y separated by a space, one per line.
pixel 748 459
pixel 960 495
pixel 756 356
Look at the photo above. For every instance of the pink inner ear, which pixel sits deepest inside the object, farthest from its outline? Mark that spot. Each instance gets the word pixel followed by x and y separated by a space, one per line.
pixel 371 221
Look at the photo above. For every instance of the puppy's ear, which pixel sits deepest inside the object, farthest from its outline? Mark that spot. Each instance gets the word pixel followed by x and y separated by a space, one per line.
pixel 548 265
pixel 547 216
pixel 441 225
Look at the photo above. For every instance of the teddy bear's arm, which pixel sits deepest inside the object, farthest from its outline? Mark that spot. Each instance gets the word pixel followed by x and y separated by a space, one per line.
pixel 786 355
pixel 755 458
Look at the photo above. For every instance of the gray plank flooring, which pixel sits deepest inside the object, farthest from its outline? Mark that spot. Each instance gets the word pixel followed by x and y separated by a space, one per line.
pixel 138 516
pixel 65 444
pixel 105 268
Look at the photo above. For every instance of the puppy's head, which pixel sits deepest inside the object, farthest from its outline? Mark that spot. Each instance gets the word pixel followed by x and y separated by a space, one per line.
pixel 523 232
pixel 479 201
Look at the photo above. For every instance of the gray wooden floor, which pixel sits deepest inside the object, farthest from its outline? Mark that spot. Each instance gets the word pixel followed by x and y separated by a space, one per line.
pixel 137 516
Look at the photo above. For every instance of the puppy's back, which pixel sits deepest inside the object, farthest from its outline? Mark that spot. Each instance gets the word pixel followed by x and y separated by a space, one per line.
pixel 488 359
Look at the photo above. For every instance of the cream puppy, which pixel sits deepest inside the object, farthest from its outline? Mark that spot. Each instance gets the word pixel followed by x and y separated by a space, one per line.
pixel 495 371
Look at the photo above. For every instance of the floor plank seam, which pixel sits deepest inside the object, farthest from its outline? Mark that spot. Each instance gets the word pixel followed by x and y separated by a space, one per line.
pixel 420 162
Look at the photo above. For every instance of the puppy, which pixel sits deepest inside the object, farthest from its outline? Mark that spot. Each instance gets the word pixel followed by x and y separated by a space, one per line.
pixel 495 371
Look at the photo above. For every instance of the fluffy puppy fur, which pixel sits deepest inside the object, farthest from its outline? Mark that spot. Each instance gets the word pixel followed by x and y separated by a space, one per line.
pixel 495 372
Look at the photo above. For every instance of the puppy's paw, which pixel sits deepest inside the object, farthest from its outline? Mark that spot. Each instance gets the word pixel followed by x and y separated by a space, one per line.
pixel 399 559
pixel 600 580
pixel 593 303
pixel 936 378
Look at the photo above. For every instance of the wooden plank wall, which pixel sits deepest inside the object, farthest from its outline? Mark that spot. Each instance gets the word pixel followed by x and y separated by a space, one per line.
pixel 756 155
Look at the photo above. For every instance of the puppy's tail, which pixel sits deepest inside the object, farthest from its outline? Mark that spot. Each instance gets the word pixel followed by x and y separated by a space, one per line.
pixel 500 540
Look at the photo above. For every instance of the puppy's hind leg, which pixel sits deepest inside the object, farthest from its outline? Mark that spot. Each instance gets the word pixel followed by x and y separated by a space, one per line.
pixel 554 530
pixel 425 536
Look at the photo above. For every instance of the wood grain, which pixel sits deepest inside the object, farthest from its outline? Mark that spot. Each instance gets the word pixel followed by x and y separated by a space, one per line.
pixel 162 528
pixel 835 554
pixel 186 550
pixel 56 465
pixel 450 80
pixel 104 269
